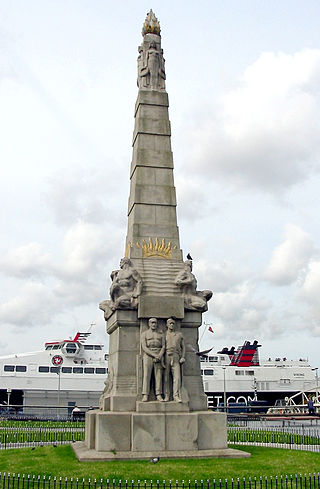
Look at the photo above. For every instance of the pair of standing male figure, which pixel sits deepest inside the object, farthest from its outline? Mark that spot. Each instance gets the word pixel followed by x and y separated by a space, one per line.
pixel 162 352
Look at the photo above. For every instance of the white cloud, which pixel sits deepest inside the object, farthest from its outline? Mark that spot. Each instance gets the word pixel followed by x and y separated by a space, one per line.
pixel 83 248
pixel 310 289
pixel 265 133
pixel 291 257
pixel 240 310
pixel 90 197
pixel 75 280
pixel 220 276
pixel 33 306
pixel 26 261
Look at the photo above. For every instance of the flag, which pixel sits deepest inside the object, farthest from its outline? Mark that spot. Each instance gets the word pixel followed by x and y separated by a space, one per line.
pixel 210 329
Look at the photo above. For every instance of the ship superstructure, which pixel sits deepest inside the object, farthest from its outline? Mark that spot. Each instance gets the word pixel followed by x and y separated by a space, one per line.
pixel 240 374
pixel 65 373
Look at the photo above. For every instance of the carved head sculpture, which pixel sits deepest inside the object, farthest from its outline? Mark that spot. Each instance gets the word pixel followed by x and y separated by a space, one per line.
pixel 153 323
pixel 171 324
pixel 188 265
pixel 125 262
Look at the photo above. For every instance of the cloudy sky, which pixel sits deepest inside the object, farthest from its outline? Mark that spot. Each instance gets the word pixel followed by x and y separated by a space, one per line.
pixel 243 79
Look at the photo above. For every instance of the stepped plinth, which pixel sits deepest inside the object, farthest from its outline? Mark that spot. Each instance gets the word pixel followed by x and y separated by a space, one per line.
pixel 153 403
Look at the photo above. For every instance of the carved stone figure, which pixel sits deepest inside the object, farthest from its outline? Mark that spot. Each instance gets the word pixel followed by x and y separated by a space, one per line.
pixel 141 79
pixel 193 300
pixel 125 288
pixel 174 358
pixel 151 67
pixel 153 346
pixel 162 73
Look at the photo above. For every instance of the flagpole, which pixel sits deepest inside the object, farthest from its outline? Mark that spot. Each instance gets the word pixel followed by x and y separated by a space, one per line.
pixel 205 324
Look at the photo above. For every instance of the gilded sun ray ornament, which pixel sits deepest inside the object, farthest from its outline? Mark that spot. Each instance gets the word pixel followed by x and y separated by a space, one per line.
pixel 157 248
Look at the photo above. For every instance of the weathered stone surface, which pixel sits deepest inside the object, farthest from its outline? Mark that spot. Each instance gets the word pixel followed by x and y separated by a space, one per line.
pixel 90 429
pixel 164 434
pixel 161 308
pixel 162 407
pixel 151 98
pixel 182 431
pixel 112 432
pixel 85 455
pixel 152 194
pixel 149 158
pixel 212 431
pixel 148 432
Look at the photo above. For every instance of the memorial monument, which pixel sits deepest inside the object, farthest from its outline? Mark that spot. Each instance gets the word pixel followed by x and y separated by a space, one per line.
pixel 153 403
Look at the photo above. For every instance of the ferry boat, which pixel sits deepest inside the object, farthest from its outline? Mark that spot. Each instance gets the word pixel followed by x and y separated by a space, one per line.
pixel 66 373
pixel 245 380
pixel 72 372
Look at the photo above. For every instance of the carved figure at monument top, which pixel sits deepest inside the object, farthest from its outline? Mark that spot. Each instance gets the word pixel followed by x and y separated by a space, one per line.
pixel 193 300
pixel 153 347
pixel 151 71
pixel 174 359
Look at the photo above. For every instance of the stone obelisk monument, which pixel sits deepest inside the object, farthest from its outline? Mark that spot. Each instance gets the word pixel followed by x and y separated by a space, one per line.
pixel 153 403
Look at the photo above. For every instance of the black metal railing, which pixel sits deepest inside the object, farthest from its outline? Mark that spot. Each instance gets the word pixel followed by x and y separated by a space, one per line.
pixel 298 438
pixel 19 437
pixel 20 434
pixel 293 481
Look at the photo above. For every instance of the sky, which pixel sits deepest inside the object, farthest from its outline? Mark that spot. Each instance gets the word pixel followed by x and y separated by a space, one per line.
pixel 243 80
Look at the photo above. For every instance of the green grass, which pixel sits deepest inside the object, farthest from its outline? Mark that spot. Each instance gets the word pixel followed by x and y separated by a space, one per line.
pixel 61 461
pixel 40 436
pixel 267 436
pixel 12 423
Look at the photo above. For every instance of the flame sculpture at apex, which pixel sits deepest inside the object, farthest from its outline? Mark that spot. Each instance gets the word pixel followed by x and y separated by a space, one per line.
pixel 153 403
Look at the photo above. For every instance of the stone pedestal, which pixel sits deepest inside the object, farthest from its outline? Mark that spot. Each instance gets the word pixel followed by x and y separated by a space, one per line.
pixel 162 433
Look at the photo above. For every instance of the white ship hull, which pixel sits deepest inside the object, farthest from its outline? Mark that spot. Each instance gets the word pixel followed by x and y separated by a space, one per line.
pixel 32 379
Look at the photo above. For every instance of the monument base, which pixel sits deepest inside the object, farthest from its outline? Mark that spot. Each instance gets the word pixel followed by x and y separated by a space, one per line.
pixel 140 435
pixel 85 455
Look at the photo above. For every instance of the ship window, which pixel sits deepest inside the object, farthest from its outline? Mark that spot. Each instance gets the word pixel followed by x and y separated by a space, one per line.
pixel 21 368
pixel 88 347
pixel 43 369
pixel 213 359
pixel 284 381
pixel 49 347
pixel 208 372
pixel 239 372
pixel 100 370
pixel 66 370
pixel 56 347
pixel 54 370
pixel 106 356
pixel 71 347
pixel 77 370
pixel 201 372
pixel 203 359
pixel 249 372
pixel 97 347
pixel 222 357
pixel 8 368
pixel 89 370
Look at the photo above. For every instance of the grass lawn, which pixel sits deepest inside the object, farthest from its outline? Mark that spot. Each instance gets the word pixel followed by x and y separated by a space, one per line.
pixel 61 461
